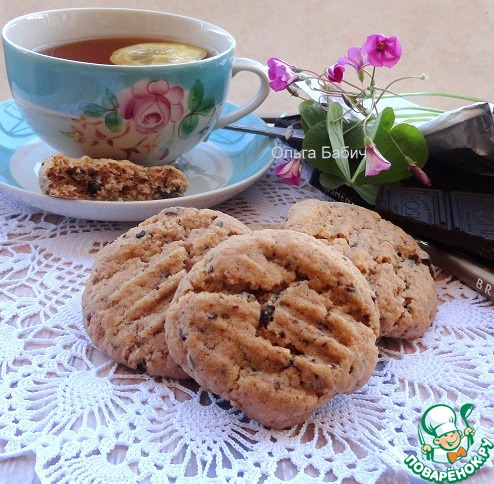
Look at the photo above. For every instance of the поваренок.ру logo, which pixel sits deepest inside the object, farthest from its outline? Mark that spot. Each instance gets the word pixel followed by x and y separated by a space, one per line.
pixel 448 445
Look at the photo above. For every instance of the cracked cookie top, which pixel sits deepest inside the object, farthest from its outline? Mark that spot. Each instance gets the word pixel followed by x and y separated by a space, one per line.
pixel 393 263
pixel 134 278
pixel 276 322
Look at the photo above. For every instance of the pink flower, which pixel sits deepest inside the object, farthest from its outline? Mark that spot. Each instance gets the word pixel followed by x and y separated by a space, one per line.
pixel 290 171
pixel 335 73
pixel 382 51
pixel 151 105
pixel 281 74
pixel 374 161
pixel 355 57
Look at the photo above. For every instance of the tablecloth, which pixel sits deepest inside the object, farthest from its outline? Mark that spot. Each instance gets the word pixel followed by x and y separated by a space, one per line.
pixel 87 419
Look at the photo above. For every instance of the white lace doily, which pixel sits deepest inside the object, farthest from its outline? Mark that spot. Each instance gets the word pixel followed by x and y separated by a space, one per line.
pixel 88 420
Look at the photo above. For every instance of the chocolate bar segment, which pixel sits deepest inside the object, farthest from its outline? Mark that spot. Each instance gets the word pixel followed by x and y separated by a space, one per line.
pixel 427 206
pixel 456 219
pixel 473 213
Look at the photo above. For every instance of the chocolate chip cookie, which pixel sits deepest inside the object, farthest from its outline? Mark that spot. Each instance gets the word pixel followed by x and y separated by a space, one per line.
pixel 135 277
pixel 111 180
pixel 276 322
pixel 393 263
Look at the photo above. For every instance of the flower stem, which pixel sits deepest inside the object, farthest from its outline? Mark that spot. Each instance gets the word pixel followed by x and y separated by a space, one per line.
pixel 421 109
pixel 359 88
pixel 398 146
pixel 386 89
pixel 357 172
pixel 314 74
pixel 408 119
pixel 437 94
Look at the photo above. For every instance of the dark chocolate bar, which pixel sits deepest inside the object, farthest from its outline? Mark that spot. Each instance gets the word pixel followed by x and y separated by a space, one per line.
pixel 456 219
pixel 473 213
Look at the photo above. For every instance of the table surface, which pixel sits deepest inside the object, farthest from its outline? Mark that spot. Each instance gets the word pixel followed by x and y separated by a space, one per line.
pixel 311 34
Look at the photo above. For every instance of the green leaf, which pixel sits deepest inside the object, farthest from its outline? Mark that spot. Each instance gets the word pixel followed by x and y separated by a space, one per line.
pixel 382 124
pixel 330 181
pixel 315 148
pixel 196 95
pixel 402 140
pixel 317 142
pixel 304 125
pixel 311 113
pixel 106 103
pixel 188 125
pixel 334 126
pixel 207 105
pixel 93 110
pixel 353 135
pixel 368 193
pixel 110 102
pixel 113 122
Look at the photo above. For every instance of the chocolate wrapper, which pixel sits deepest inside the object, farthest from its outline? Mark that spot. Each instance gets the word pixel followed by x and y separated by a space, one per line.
pixel 463 138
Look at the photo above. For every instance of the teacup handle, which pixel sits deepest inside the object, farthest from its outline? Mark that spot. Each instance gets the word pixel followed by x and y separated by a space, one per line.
pixel 244 64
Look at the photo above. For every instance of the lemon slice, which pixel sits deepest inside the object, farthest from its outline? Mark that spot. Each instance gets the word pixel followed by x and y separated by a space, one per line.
pixel 155 53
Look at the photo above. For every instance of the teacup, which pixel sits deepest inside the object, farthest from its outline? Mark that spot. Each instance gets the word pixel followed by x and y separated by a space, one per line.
pixel 149 114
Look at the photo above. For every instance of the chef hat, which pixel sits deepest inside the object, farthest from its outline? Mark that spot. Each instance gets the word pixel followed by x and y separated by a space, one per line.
pixel 439 420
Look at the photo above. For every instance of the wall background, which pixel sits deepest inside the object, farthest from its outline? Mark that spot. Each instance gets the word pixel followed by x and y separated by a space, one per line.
pixel 449 40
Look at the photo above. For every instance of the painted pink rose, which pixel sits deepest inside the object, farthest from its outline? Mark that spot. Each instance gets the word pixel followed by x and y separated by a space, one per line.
pixel 151 105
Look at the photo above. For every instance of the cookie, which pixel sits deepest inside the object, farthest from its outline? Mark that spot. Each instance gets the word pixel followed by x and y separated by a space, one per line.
pixel 277 323
pixel 393 263
pixel 104 179
pixel 134 278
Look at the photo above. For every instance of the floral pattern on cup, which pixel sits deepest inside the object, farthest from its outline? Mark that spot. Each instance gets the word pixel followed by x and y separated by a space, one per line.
pixel 134 120
pixel 151 105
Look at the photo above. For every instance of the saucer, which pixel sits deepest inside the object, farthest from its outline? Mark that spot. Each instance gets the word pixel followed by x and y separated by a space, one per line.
pixel 217 169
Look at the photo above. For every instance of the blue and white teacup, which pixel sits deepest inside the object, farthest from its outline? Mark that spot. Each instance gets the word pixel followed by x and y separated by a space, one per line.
pixel 148 114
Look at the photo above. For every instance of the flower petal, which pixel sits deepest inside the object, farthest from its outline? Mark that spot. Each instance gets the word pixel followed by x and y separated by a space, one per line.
pixel 290 171
pixel 335 73
pixel 176 112
pixel 158 88
pixel 140 89
pixel 281 74
pixel 382 51
pixel 355 57
pixel 374 161
pixel 175 95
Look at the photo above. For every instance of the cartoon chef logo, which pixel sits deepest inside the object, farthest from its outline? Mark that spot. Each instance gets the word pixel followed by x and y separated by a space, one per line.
pixel 447 440
pixel 450 443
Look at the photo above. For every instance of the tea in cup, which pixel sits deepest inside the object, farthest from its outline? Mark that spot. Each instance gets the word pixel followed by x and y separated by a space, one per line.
pixel 140 85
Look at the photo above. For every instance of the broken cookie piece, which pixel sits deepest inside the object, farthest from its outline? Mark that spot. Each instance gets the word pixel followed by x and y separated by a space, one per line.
pixel 111 180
